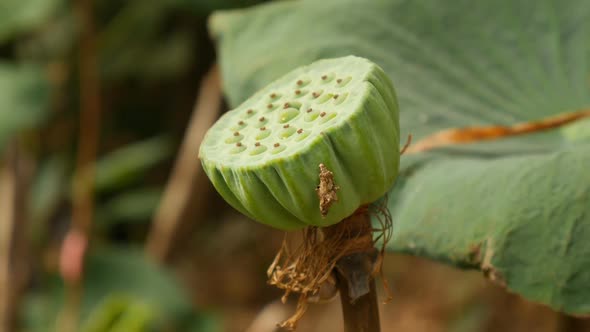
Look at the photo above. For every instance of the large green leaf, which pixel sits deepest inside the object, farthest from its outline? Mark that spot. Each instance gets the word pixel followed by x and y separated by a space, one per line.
pixel 24 98
pixel 519 208
pixel 21 15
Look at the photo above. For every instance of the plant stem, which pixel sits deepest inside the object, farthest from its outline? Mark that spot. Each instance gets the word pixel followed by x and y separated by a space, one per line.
pixel 354 271
pixel 14 262
pixel 83 183
pixel 362 314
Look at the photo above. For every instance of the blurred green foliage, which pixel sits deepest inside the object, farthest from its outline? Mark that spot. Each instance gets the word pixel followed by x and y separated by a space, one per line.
pixel 121 287
pixel 24 96
pixel 24 16
pixel 151 59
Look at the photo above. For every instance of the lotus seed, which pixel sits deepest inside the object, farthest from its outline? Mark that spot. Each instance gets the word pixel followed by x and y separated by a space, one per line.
pixel 325 98
pixel 258 149
pixel 263 134
pixel 288 114
pixel 327 78
pixel 239 147
pixel 340 99
pixel 301 136
pixel 311 116
pixel 342 82
pixel 249 113
pixel 327 117
pixel 287 132
pixel 234 138
pixel 278 148
pixel 239 126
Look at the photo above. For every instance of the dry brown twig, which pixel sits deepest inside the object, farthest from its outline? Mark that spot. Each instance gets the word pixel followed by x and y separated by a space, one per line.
pixel 467 135
pixel 185 196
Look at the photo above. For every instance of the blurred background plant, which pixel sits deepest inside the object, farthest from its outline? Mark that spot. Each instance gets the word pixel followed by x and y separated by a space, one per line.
pixel 165 252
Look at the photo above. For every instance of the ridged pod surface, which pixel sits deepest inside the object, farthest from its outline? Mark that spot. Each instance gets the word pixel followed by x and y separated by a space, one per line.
pixel 263 157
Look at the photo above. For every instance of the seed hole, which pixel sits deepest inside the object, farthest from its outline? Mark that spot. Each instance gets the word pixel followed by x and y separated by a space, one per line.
pixel 264 133
pixel 239 147
pixel 317 93
pixel 277 148
pixel 302 135
pixel 258 149
pixel 327 78
pixel 261 122
pixel 302 82
pixel 235 138
pixel 343 81
pixel 327 117
pixel 299 93
pixel 250 112
pixel 341 98
pixel 324 98
pixel 287 132
pixel 238 126
pixel 288 114
pixel 310 116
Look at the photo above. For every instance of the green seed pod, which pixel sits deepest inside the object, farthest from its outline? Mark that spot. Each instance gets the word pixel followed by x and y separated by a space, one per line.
pixel 263 157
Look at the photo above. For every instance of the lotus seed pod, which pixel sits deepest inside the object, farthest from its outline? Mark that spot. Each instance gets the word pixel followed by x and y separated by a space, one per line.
pixel 263 157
